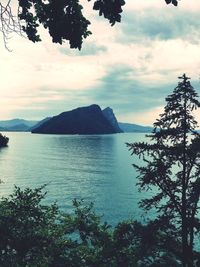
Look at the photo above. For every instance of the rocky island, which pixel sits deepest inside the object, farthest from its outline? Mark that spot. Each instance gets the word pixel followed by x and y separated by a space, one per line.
pixel 83 120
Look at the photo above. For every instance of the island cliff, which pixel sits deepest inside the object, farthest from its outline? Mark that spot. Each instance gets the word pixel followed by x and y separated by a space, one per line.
pixel 109 114
pixel 83 120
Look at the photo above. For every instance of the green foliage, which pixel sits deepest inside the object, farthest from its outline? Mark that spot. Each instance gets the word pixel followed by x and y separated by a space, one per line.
pixel 37 235
pixel 173 165
pixel 29 234
pixel 110 9
pixel 3 140
pixel 64 18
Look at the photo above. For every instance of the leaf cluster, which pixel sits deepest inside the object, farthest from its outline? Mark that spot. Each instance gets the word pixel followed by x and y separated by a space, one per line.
pixel 64 19
pixel 34 234
pixel 173 2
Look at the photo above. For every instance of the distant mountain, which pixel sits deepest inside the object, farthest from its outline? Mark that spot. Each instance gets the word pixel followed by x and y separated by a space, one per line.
pixel 109 114
pixel 18 128
pixel 16 125
pixel 39 123
pixel 83 120
pixel 14 122
pixel 134 128
pixel 2 129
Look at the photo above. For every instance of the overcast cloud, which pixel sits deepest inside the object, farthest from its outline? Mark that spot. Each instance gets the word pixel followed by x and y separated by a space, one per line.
pixel 130 67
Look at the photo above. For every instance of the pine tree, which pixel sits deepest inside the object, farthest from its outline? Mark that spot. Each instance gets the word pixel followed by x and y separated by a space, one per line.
pixel 172 166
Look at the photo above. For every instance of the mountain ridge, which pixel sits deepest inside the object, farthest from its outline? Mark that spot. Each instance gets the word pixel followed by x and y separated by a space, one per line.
pixel 134 128
pixel 82 120
pixel 29 125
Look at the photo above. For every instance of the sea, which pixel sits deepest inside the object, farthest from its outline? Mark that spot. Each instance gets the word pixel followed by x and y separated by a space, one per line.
pixel 92 168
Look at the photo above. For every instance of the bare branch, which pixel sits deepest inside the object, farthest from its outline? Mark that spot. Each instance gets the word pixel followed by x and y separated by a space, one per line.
pixel 9 22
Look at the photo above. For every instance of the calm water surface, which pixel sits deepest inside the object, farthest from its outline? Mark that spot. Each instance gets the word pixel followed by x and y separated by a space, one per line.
pixel 96 168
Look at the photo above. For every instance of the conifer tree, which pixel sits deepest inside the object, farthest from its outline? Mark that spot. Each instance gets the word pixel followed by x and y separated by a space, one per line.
pixel 172 166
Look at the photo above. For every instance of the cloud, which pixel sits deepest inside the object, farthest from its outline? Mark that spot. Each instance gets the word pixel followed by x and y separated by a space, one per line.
pixel 88 49
pixel 146 117
pixel 130 67
pixel 121 89
pixel 160 24
pixel 191 5
pixel 133 99
pixel 40 103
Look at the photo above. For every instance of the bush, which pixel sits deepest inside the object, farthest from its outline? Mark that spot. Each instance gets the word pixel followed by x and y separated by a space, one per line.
pixel 37 235
pixel 3 140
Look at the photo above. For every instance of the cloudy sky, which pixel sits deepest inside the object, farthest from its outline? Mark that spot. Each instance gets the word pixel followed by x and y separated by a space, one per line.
pixel 130 67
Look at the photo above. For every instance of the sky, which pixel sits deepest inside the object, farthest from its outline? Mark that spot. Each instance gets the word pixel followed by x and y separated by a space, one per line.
pixel 130 67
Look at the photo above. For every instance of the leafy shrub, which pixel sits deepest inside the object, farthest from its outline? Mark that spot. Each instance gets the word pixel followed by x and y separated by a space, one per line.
pixel 37 235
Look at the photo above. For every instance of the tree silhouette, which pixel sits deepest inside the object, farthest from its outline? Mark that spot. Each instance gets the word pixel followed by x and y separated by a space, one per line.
pixel 3 140
pixel 34 234
pixel 172 166
pixel 63 19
